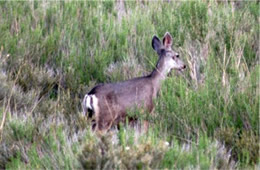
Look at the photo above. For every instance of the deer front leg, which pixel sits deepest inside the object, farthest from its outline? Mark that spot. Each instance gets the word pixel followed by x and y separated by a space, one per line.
pixel 145 126
pixel 151 112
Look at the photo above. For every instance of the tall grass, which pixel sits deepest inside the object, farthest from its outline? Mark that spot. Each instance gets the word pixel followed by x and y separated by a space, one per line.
pixel 52 53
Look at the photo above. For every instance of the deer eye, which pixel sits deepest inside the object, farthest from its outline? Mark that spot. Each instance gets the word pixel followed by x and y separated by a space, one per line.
pixel 177 55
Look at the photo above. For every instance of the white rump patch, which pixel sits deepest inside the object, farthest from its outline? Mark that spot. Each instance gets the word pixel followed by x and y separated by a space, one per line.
pixel 90 102
pixel 95 103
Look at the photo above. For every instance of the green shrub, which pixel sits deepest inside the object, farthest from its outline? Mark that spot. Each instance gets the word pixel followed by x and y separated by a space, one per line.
pixel 244 145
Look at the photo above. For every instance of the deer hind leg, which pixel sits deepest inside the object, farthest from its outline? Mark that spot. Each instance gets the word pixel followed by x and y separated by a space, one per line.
pixel 103 123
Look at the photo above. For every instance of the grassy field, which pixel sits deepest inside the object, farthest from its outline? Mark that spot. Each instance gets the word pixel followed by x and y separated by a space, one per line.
pixel 52 53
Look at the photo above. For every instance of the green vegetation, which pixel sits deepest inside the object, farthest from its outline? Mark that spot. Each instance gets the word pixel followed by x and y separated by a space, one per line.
pixel 52 53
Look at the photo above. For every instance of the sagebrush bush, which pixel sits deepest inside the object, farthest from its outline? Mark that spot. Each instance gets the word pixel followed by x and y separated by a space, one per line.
pixel 103 154
pixel 243 145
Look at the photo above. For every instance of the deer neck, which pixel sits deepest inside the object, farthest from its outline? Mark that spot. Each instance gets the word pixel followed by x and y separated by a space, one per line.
pixel 159 74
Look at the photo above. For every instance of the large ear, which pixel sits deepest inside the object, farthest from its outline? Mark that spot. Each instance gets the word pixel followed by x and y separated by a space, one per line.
pixel 156 43
pixel 167 40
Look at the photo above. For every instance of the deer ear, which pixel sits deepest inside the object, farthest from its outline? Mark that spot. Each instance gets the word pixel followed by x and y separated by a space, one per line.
pixel 167 40
pixel 156 43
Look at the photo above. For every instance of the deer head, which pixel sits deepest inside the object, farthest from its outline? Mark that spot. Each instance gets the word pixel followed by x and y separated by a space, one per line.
pixel 168 59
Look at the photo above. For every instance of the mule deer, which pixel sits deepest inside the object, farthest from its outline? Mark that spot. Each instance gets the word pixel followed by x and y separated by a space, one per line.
pixel 110 102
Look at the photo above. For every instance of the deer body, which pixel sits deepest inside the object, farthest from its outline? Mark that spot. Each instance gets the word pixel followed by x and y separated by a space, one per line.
pixel 110 102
